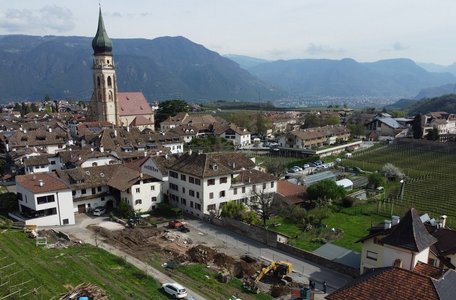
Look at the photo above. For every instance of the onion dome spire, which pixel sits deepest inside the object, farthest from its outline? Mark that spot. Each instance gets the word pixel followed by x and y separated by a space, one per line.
pixel 101 43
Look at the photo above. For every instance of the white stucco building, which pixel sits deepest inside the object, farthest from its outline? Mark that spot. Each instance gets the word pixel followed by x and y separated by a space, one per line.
pixel 201 184
pixel 45 199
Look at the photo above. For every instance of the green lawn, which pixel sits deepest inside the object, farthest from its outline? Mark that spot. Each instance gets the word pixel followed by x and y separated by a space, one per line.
pixel 51 269
pixel 354 222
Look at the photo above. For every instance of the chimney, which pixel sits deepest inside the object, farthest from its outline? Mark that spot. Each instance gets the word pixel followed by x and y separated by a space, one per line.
pixel 41 182
pixel 397 263
pixel 91 149
pixel 145 153
pixel 395 220
pixel 443 220
pixel 115 132
pixel 128 128
pixel 50 129
pixel 387 224
pixel 101 148
pixel 140 175
pixel 190 152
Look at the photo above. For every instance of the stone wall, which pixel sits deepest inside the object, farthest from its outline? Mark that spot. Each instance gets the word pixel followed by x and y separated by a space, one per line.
pixel 321 261
pixel 257 233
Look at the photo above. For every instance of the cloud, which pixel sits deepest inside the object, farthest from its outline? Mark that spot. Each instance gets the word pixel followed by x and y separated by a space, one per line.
pixel 48 18
pixel 314 49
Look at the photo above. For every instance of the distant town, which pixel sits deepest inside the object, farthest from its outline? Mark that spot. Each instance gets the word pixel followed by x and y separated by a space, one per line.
pixel 123 197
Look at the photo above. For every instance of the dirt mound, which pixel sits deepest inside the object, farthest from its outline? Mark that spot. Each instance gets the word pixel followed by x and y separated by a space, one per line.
pixel 279 290
pixel 201 254
pixel 223 260
pixel 243 269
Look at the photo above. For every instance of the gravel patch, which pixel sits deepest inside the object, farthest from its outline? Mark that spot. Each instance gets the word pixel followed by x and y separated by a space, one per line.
pixel 111 225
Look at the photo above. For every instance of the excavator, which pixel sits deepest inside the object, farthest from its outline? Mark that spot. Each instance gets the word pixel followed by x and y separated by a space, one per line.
pixel 278 269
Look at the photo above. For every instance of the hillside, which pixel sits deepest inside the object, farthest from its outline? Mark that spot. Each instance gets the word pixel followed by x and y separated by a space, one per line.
pixel 445 103
pixel 347 77
pixel 163 68
pixel 436 91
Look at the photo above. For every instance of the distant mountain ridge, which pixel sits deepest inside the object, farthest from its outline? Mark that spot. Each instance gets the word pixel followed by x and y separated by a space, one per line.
pixel 176 68
pixel 164 68
pixel 347 77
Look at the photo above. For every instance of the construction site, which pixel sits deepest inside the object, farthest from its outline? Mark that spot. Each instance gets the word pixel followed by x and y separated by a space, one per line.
pixel 171 246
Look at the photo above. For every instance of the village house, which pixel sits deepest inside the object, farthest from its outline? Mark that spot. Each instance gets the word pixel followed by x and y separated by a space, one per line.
pixel 443 121
pixel 44 200
pixel 314 137
pixel 383 126
pixel 201 183
pixel 407 241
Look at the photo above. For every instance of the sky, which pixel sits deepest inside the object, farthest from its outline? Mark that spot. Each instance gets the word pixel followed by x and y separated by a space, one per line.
pixel 365 30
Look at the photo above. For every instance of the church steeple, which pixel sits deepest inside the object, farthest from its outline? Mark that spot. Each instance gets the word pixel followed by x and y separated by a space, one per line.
pixel 104 103
pixel 101 43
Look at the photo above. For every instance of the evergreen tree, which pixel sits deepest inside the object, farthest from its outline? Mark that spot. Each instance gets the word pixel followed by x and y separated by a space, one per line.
pixel 416 127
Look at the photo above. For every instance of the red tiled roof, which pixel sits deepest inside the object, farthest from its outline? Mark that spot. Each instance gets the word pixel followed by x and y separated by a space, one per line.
pixel 133 103
pixel 286 188
pixel 141 120
pixel 428 270
pixel 291 193
pixel 51 183
pixel 388 283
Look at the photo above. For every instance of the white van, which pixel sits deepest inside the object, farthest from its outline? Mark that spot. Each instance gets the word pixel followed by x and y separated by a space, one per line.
pixel 175 289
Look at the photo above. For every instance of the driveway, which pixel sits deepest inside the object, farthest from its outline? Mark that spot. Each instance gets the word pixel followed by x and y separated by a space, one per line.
pixel 81 232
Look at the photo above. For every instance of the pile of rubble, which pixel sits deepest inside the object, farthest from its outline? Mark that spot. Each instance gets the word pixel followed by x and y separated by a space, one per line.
pixel 89 290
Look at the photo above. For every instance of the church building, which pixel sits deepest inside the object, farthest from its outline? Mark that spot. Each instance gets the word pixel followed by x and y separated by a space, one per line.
pixel 107 103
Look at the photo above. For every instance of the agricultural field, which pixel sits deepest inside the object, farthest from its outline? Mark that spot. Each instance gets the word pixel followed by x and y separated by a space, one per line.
pixel 430 176
pixel 26 266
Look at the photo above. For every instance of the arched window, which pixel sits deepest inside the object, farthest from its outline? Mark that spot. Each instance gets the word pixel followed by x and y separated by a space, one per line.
pixel 98 81
pixel 109 81
pixel 108 61
pixel 110 95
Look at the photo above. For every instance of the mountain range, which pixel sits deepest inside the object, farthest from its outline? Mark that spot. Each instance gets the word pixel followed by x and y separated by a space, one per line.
pixel 164 68
pixel 176 68
pixel 347 77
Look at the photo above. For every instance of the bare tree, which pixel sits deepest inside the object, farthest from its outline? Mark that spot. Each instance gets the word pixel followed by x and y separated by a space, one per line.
pixel 261 202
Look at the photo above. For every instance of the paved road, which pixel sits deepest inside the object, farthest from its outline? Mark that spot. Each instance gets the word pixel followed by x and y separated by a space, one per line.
pixel 231 239
pixel 80 231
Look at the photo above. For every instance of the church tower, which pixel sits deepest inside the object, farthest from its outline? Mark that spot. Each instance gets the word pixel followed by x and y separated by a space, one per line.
pixel 104 102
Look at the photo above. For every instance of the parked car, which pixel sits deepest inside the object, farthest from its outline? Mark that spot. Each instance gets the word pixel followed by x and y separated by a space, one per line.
pixel 306 166
pixel 175 289
pixel 297 168
pixel 99 210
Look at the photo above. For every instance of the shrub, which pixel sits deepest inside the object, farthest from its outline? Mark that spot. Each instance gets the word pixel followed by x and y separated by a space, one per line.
pixel 347 201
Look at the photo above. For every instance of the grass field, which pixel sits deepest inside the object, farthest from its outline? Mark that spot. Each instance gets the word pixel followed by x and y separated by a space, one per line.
pixel 354 223
pixel 50 269
pixel 430 184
